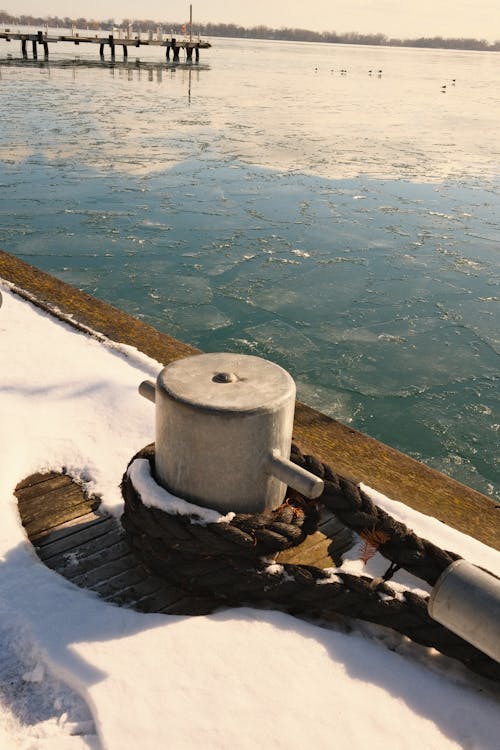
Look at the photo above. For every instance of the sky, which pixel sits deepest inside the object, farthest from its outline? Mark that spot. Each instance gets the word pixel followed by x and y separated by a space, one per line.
pixel 77 673
pixel 398 18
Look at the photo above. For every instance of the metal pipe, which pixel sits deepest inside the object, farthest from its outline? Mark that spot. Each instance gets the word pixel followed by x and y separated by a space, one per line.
pixel 294 476
pixel 466 600
pixel 148 389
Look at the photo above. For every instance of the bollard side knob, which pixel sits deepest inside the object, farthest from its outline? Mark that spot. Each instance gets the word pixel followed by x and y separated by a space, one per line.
pixel 148 390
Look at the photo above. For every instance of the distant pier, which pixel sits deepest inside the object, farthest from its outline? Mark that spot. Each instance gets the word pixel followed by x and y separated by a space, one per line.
pixel 119 38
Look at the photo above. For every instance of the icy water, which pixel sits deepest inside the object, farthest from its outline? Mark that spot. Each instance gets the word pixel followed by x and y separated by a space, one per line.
pixel 345 225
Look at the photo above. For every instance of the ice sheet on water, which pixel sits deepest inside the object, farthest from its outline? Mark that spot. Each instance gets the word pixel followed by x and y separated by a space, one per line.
pixel 463 422
pixel 402 365
pixel 281 338
pixel 334 403
pixel 335 334
pixel 412 284
pixel 82 278
pixel 480 316
pixel 180 289
pixel 315 294
pixel 200 318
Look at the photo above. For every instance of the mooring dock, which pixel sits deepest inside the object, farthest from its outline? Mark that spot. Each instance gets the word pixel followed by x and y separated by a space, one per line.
pixel 119 38
pixel 354 454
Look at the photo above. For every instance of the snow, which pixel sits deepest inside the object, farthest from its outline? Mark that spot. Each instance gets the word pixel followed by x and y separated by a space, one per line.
pixel 155 496
pixel 77 673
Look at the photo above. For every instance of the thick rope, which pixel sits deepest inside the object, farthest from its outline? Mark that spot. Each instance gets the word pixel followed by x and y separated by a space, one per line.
pixel 247 535
pixel 233 561
pixel 356 510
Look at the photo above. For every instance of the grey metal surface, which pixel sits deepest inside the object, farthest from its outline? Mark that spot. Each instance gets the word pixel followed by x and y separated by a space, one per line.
pixel 466 600
pixel 223 432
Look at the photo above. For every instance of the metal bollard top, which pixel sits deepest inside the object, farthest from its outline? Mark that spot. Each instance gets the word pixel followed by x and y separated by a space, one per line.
pixel 227 382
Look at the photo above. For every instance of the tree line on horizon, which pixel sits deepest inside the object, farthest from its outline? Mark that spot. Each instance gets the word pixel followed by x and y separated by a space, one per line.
pixel 254 32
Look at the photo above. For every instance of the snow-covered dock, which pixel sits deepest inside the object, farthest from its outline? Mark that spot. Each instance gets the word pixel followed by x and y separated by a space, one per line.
pixel 78 672
pixel 88 547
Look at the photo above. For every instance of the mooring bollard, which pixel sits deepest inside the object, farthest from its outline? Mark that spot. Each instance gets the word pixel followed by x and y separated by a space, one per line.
pixel 466 600
pixel 223 432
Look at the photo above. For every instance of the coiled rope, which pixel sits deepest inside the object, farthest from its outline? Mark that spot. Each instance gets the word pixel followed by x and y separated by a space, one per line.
pixel 356 510
pixel 234 560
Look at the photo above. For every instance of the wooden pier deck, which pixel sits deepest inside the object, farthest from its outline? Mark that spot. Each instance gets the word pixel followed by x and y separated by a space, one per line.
pixel 350 452
pixel 191 46
pixel 88 547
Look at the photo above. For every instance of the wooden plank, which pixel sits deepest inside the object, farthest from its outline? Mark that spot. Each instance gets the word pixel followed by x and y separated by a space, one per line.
pixel 63 533
pixel 54 502
pixel 121 581
pixel 349 452
pixel 89 539
pixel 45 484
pixel 75 562
pixel 43 524
pixel 107 571
pixel 323 549
pixel 47 504
pixel 150 595
pixel 36 479
pixel 151 587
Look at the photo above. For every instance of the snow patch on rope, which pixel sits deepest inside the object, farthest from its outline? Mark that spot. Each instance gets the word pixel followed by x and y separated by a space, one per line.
pixel 155 496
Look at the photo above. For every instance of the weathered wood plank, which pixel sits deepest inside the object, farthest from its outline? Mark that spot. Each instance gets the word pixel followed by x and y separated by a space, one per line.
pixel 33 491
pixel 149 595
pixel 107 571
pixel 36 479
pixel 89 540
pixel 42 525
pixel 91 551
pixel 74 563
pixel 54 502
pixel 50 500
pixel 130 576
pixel 71 532
pixel 324 548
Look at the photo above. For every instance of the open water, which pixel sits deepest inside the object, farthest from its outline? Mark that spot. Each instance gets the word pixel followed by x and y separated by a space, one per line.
pixel 343 224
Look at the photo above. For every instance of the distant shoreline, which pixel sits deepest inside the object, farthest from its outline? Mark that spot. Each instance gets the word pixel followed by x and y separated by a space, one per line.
pixel 257 32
